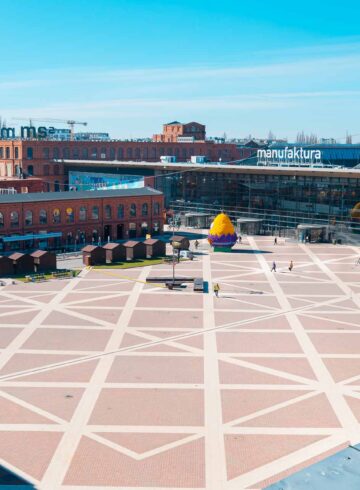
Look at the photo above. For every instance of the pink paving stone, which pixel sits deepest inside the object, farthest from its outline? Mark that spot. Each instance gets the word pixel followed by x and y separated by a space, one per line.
pixel 166 319
pixel 234 276
pixel 19 318
pixel 31 452
pixel 258 342
pixel 228 317
pixel 313 412
pixel 77 373
pixel 241 403
pixel 342 369
pixel 67 339
pixel 245 452
pixel 246 302
pixel 103 287
pixel 233 374
pixel 129 340
pixel 239 287
pixel 192 340
pixel 142 442
pixel 196 341
pixel 342 316
pixel 110 315
pixel 312 323
pixel 61 402
pixel 294 365
pixel 311 288
pixel 354 404
pixel 170 301
pixel 23 362
pixel 336 343
pixel 7 335
pixel 160 348
pixel 95 299
pixel 136 406
pixel 65 319
pixel 130 369
pixel 96 464
pixel 12 413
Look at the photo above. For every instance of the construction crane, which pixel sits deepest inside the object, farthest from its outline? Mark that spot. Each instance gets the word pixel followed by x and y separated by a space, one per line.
pixel 70 122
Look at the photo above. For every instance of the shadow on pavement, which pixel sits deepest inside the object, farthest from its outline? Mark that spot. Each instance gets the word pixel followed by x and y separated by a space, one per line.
pixel 11 481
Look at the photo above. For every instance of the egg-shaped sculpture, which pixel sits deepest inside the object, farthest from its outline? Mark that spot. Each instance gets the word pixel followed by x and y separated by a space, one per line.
pixel 222 234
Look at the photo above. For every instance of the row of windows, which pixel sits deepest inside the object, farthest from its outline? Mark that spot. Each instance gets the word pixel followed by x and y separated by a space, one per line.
pixel 46 169
pixel 6 152
pixel 83 214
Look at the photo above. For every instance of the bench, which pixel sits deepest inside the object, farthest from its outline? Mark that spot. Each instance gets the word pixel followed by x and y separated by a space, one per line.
pixel 62 274
pixel 35 278
pixel 199 284
pixel 173 284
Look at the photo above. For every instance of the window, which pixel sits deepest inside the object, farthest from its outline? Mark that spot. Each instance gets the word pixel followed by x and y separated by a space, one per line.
pixel 69 215
pixel 66 153
pixel 42 217
pixel 103 153
pixel 76 153
pixel 1 220
pixel 129 153
pixel 46 153
pixel 112 153
pixel 95 212
pixel 46 170
pixel 85 153
pixel 82 213
pixel 94 153
pixel 7 152
pixel 28 218
pixel 56 215
pixel 1 152
pixel 57 186
pixel 132 209
pixel 56 169
pixel 120 154
pixel 137 153
pixel 156 208
pixel 14 218
pixel 56 153
pixel 108 211
pixel 30 169
pixel 120 211
pixel 29 153
pixel 144 209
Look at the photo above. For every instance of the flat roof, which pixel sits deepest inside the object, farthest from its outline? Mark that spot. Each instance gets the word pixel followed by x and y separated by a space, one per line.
pixel 66 195
pixel 223 167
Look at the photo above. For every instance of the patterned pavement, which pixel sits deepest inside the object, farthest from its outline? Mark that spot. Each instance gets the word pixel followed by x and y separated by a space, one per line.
pixel 107 382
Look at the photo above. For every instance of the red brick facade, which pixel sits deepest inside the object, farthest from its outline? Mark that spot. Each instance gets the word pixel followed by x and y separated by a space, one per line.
pixel 43 159
pixel 78 219
pixel 173 131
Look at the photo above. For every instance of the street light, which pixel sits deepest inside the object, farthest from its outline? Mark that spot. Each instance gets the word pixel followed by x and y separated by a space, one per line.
pixel 176 246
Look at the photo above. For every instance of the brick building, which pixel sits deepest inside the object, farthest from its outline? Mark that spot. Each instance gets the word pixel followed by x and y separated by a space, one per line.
pixel 59 220
pixel 45 159
pixel 176 132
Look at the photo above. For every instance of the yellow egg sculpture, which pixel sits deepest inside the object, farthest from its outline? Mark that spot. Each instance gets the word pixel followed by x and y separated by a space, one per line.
pixel 222 234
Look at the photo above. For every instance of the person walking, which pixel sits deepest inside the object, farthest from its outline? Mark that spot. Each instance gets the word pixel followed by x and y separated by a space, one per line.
pixel 275 241
pixel 291 265
pixel 216 289
pixel 239 240
pixel 196 244
pixel 273 268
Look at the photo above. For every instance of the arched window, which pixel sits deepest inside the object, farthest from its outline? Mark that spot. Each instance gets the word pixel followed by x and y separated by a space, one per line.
pixel 1 220
pixel 30 169
pixel 56 186
pixel 14 218
pixel 103 153
pixel 46 170
pixel 137 153
pixel 95 212
pixel 66 153
pixel 108 211
pixel 129 153
pixel 28 218
pixel 82 213
pixel 144 209
pixel 76 153
pixel 153 153
pixel 42 217
pixel 56 153
pixel 132 209
pixel 120 154
pixel 56 215
pixel 85 153
pixel 112 153
pixel 56 169
pixel 69 215
pixel 156 208
pixel 94 153
pixel 120 211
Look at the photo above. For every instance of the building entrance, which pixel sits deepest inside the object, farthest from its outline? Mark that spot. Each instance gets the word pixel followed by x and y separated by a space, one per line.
pixel 120 231
pixel 107 232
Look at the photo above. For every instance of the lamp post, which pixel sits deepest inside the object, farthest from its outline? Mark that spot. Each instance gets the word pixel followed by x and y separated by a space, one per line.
pixel 176 247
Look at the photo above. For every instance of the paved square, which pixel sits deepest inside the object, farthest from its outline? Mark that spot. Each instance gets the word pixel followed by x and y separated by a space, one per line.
pixel 108 382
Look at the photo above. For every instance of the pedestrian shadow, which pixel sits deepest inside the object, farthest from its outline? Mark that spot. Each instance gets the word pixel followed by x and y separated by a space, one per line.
pixel 250 251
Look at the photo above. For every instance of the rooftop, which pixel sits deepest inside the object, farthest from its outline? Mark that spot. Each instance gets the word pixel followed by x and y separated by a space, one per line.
pixel 64 196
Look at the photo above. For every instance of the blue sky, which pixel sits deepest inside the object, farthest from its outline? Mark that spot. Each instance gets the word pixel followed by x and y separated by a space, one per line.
pixel 128 66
